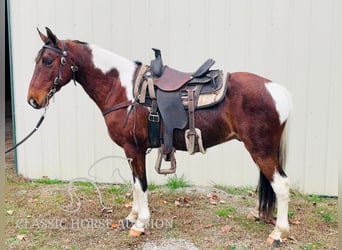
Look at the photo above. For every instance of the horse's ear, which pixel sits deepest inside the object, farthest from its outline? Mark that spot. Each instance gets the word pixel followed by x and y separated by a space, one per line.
pixel 52 37
pixel 42 36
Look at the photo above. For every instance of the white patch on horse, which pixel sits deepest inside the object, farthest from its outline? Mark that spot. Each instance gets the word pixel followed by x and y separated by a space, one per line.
pixel 280 185
pixel 143 210
pixel 106 60
pixel 282 99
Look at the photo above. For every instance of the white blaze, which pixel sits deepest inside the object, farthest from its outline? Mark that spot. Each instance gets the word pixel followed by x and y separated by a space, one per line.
pixel 106 60
pixel 282 99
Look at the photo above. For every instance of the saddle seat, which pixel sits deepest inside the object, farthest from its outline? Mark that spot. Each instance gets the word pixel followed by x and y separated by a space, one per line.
pixel 172 79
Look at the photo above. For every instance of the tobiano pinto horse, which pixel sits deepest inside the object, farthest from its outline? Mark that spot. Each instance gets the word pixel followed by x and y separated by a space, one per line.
pixel 254 111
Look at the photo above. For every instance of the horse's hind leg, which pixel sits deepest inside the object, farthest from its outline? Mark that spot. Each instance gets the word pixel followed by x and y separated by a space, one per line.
pixel 266 145
pixel 280 185
pixel 273 186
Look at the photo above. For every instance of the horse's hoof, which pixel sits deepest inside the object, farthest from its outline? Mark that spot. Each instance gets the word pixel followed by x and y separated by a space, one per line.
pixel 273 243
pixel 126 224
pixel 134 233
pixel 253 215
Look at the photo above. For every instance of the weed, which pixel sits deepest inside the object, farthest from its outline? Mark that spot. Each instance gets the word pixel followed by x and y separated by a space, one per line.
pixel 313 245
pixel 48 181
pixel 73 247
pixel 87 190
pixel 119 200
pixel 152 186
pixel 83 183
pixel 314 198
pixel 290 214
pixel 235 190
pixel 119 189
pixel 12 240
pixel 174 182
pixel 328 218
pixel 225 212
pixel 22 231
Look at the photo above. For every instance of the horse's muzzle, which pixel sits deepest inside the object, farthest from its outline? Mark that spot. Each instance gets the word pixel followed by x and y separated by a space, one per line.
pixel 37 99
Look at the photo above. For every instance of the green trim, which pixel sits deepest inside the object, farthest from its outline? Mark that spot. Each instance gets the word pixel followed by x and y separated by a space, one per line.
pixel 14 132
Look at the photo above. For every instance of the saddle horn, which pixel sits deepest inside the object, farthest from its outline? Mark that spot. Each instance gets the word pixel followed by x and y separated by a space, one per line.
pixel 157 63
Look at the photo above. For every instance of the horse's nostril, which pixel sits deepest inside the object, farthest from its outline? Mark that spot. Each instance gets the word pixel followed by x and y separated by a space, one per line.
pixel 33 103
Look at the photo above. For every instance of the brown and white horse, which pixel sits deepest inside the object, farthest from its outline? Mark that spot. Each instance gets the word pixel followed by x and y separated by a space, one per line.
pixel 254 111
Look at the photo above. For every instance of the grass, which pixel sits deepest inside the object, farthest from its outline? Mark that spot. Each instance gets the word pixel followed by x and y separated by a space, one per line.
pixel 235 190
pixel 314 198
pixel 119 189
pixel 48 181
pixel 174 182
pixel 225 212
pixel 311 246
pixel 327 217
pixel 152 186
pixel 197 220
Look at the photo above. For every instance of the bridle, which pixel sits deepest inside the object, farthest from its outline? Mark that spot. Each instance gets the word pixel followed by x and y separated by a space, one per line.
pixel 58 78
pixel 53 89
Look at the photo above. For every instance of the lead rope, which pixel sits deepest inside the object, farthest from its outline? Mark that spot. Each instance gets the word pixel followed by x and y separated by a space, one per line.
pixel 30 134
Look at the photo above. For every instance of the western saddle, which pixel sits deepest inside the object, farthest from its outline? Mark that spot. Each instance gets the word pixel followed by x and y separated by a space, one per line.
pixel 173 96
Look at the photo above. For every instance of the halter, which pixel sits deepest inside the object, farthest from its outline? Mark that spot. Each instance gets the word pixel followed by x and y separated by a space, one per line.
pixel 58 78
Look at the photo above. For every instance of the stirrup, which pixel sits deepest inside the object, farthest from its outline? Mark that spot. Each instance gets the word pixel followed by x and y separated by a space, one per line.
pixel 173 163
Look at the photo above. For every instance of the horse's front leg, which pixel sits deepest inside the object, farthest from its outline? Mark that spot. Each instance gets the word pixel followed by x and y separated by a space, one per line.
pixel 140 214
pixel 140 211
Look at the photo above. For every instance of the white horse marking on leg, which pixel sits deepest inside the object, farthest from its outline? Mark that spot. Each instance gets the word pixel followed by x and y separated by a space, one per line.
pixel 142 204
pixel 280 185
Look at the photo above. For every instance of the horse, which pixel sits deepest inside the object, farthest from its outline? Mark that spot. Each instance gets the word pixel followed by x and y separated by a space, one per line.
pixel 254 111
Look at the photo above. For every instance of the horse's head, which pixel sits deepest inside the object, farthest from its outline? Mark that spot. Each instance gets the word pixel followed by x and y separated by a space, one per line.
pixel 53 70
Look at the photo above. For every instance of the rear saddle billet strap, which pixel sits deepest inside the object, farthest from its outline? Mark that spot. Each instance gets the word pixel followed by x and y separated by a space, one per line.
pixel 191 133
pixel 193 137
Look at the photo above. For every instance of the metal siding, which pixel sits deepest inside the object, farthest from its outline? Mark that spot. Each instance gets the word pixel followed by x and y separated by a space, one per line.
pixel 295 43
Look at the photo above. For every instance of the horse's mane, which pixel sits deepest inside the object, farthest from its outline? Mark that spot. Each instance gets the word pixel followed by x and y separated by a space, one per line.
pixel 80 42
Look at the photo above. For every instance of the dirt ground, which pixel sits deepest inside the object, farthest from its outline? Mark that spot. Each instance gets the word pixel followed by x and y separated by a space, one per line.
pixel 38 217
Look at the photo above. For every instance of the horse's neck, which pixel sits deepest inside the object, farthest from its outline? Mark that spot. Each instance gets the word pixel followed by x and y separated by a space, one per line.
pixel 105 76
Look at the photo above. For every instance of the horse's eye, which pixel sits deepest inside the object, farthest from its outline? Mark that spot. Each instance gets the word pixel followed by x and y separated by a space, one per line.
pixel 47 62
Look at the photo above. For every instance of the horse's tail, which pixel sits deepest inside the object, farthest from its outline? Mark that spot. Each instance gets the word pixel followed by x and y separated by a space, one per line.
pixel 267 197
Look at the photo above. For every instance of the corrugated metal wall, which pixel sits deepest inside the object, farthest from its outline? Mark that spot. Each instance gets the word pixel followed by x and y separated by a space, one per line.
pixel 295 43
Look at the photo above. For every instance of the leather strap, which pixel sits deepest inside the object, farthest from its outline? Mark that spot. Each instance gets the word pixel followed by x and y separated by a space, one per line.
pixel 191 111
pixel 140 77
pixel 116 107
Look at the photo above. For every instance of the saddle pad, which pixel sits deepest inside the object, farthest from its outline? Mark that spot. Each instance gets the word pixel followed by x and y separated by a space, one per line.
pixel 173 115
pixel 209 98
